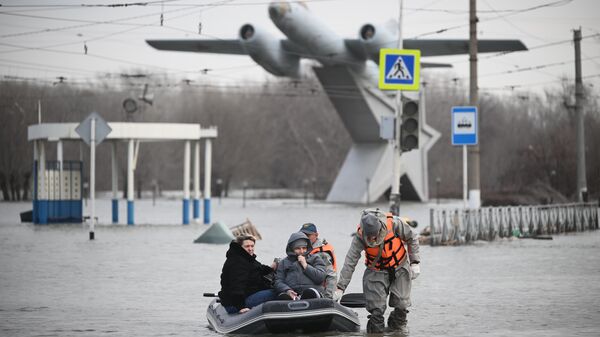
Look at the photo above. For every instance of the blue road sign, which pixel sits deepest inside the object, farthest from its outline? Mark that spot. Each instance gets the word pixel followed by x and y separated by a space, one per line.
pixel 399 69
pixel 464 125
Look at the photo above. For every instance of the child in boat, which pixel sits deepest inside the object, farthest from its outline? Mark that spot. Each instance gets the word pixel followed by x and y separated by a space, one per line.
pixel 300 275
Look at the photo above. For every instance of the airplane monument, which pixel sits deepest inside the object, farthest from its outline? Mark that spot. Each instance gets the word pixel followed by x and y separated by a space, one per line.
pixel 350 64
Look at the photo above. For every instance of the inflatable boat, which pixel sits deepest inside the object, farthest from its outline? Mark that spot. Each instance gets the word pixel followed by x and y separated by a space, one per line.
pixel 312 315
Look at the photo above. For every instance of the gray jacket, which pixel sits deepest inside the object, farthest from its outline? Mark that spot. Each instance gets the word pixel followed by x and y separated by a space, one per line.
pixel 291 275
pixel 402 230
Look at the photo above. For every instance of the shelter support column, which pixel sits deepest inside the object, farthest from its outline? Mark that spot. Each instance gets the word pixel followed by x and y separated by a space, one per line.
pixel 186 183
pixel 34 197
pixel 196 180
pixel 130 170
pixel 43 197
pixel 115 182
pixel 59 204
pixel 207 179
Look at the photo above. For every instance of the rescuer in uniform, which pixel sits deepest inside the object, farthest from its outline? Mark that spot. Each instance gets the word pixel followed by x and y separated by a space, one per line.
pixel 392 260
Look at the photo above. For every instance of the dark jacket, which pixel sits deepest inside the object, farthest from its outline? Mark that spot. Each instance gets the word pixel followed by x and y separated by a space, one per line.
pixel 241 276
pixel 291 275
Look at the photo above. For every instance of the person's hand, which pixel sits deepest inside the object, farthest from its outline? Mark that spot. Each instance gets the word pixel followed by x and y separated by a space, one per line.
pixel 274 265
pixel 292 294
pixel 337 295
pixel 243 310
pixel 416 271
pixel 302 261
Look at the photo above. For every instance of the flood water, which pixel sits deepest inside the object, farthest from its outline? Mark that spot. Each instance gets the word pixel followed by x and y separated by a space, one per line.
pixel 148 279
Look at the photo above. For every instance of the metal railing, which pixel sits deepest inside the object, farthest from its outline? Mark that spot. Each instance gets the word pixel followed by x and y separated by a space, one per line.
pixel 461 226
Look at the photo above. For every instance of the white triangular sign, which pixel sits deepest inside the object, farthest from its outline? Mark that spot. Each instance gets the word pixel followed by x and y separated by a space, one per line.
pixel 399 71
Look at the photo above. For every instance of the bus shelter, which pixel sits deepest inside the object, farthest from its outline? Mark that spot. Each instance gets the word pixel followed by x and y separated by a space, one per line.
pixel 58 183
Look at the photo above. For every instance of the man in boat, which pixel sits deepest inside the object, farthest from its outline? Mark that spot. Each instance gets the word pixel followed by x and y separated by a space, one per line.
pixel 325 250
pixel 243 282
pixel 299 275
pixel 392 260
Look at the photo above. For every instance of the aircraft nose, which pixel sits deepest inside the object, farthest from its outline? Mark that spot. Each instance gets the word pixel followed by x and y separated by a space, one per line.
pixel 278 9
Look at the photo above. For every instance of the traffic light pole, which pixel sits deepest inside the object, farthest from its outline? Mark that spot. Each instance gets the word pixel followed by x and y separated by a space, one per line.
pixel 474 183
pixel 395 193
pixel 579 97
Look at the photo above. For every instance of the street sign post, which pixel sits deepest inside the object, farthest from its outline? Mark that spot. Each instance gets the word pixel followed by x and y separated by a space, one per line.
pixel 399 69
pixel 464 132
pixel 93 130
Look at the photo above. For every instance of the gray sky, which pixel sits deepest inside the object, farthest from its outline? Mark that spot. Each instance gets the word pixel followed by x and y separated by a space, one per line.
pixel 44 39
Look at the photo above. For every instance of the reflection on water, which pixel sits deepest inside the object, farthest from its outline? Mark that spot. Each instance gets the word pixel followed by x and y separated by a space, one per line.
pixel 148 280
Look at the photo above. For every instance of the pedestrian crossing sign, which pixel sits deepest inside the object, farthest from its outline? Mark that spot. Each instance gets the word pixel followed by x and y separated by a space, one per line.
pixel 399 69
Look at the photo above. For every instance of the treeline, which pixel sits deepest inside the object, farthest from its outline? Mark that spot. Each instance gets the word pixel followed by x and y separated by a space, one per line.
pixel 282 134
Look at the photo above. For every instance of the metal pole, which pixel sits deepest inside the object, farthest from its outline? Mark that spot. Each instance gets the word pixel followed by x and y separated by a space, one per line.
pixel 474 185
pixel 92 176
pixel 207 178
pixel 186 183
pixel 579 97
pixel 115 182
pixel 130 171
pixel 59 158
pixel 43 194
pixel 196 180
pixel 397 152
pixel 465 175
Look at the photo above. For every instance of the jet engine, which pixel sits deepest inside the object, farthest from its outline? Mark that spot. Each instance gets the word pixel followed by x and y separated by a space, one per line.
pixel 375 37
pixel 267 51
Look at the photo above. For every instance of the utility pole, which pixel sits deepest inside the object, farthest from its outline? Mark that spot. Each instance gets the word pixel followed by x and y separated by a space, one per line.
pixel 395 193
pixel 474 185
pixel 579 97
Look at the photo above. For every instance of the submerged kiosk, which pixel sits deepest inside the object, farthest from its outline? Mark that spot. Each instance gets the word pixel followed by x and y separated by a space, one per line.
pixel 57 195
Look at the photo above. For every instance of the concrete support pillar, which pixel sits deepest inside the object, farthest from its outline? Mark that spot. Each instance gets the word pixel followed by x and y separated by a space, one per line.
pixel 36 172
pixel 59 158
pixel 186 183
pixel 207 178
pixel 130 170
pixel 43 192
pixel 115 182
pixel 197 180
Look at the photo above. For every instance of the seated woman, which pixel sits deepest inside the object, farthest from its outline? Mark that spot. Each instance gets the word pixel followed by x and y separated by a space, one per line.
pixel 300 275
pixel 243 284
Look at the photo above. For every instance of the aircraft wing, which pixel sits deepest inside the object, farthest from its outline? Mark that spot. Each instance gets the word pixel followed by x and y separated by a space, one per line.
pixel 200 46
pixel 433 47
pixel 438 47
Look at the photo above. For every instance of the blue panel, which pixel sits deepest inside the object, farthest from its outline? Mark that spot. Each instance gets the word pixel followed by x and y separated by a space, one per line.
pixel 34 213
pixel 206 211
pixel 43 212
pixel 51 210
pixel 65 209
pixel 196 209
pixel 129 212
pixel 77 210
pixel 115 211
pixel 186 211
pixel 468 139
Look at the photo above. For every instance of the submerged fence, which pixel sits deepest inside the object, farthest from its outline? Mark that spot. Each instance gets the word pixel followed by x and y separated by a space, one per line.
pixel 460 226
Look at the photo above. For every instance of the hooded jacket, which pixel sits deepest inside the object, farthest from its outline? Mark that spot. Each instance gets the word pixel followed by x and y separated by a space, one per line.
pixel 291 275
pixel 241 276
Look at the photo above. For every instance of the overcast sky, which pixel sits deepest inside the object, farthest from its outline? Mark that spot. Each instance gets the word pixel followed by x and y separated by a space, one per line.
pixel 41 40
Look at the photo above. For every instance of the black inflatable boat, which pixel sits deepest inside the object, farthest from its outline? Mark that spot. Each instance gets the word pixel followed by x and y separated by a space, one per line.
pixel 313 315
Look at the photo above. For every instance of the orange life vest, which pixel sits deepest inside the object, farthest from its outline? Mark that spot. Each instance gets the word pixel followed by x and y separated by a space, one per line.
pixel 393 248
pixel 327 248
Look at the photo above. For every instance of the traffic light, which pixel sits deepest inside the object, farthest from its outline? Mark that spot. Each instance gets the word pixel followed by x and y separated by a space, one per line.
pixel 409 133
